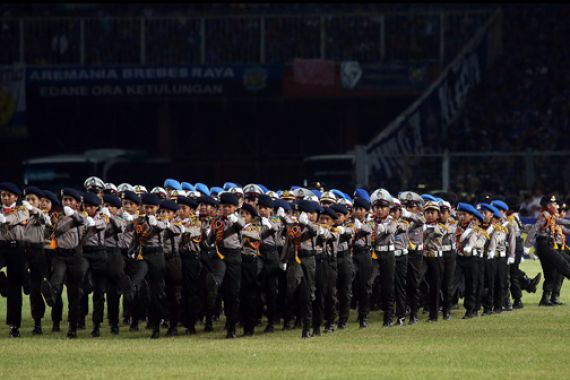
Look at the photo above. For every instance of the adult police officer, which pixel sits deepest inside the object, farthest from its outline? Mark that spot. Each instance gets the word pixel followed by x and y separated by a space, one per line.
pixel 13 219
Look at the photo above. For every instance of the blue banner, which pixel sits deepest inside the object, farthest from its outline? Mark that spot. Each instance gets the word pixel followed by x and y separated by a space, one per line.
pixel 145 80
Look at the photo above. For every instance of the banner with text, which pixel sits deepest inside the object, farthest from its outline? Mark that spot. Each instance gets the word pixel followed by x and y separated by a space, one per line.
pixel 144 81
pixel 13 102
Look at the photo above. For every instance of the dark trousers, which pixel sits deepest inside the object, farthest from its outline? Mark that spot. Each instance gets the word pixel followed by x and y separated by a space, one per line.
pixel 345 278
pixel 192 303
pixel 413 281
pixel 173 283
pixel 489 285
pixel 558 277
pixel 467 269
pixel 68 265
pixel 479 281
pixel 331 292
pixel 320 289
pixel 361 285
pixel 305 293
pixel 211 279
pixel 500 274
pixel 115 272
pixel 15 261
pixel 434 266
pixel 552 262
pixel 133 306
pixel 400 278
pixel 97 259
pixel 39 270
pixel 231 286
pixel 249 294
pixel 448 279
pixel 387 269
pixel 153 266
pixel 269 277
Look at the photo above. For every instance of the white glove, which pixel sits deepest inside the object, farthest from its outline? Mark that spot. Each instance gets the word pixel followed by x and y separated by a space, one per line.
pixel 369 218
pixel 128 217
pixel 357 224
pixel 27 205
pixel 105 211
pixel 526 250
pixel 304 218
pixel 265 222
pixel 2 219
pixel 280 212
pixel 341 229
pixel 197 213
pixel 283 266
pixel 233 218
pixel 90 222
pixel 510 260
pixel 406 213
pixel 68 211
pixel 321 231
pixel 152 220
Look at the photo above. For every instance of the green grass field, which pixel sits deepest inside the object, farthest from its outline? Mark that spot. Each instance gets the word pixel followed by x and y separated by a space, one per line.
pixel 532 343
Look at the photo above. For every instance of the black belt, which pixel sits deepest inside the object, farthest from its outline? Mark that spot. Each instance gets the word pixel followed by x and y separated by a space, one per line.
pixel 343 253
pixel 152 249
pixel 230 251
pixel 66 251
pixel 189 254
pixel 248 258
pixel 305 253
pixel 11 244
pixel 360 249
pixel 34 245
pixel 93 249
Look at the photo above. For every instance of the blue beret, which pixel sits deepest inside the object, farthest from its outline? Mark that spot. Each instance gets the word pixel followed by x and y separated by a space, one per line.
pixel 307 206
pixel 172 184
pixel 215 190
pixel 295 187
pixel 500 205
pixel 361 193
pixel 229 198
pixel 113 200
pixel 202 188
pixel 131 196
pixel 337 193
pixel 347 197
pixel 206 199
pixel 187 186
pixel 281 203
pixel 320 208
pixel 91 199
pixel 466 207
pixel 69 192
pixel 229 185
pixel 187 201
pixel 340 208
pixel 167 204
pixel 493 209
pixel 429 197
pixel 265 201
pixel 52 197
pixel 263 188
pixel 33 190
pixel 317 192
pixel 11 187
pixel 330 212
pixel 150 199
pixel 249 208
pixel 279 192
pixel 360 202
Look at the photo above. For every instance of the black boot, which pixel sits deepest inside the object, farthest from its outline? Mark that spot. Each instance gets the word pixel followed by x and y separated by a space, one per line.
pixel 288 324
pixel 115 329
pixel 231 331
pixel 342 324
pixel 269 328
pixel 306 333
pixel 81 324
pixel 208 327
pixel 363 321
pixel 531 288
pixel 72 332
pixel 545 300
pixel 413 319
pixel 96 331
pixel 316 330
pixel 446 315
pixel 14 332
pixel 172 331
pixel 190 330
pixel 518 304
pixel 555 300
pixel 37 327
pixel 55 327
pixel 155 332
pixel 134 327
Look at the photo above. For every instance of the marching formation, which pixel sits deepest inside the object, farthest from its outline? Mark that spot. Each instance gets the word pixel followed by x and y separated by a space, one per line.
pixel 180 254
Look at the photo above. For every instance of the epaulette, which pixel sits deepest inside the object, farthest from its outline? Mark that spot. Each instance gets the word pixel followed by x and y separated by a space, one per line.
pixel 444 227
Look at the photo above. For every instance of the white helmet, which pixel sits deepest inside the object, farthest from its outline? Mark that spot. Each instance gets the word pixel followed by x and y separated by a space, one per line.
pixel 252 188
pixel 124 187
pixel 160 192
pixel 110 188
pixel 94 183
pixel 328 196
pixel 381 195
pixel 140 189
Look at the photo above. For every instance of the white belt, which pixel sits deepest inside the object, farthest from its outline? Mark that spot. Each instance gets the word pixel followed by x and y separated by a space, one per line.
pixel 418 247
pixel 400 252
pixel 385 248
pixel 502 253
pixel 432 253
pixel 446 247
pixel 477 253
